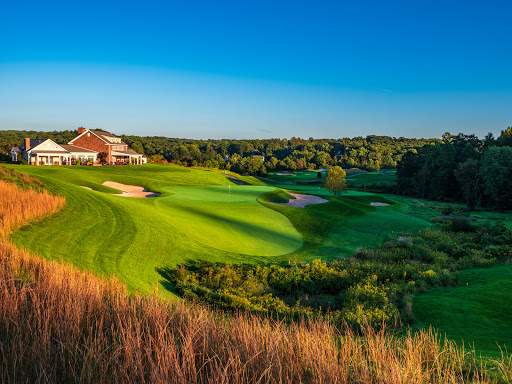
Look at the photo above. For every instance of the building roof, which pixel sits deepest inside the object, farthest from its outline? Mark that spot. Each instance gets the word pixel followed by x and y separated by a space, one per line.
pixel 103 133
pixel 128 152
pixel 73 148
pixel 33 143
pixel 49 152
pixel 106 135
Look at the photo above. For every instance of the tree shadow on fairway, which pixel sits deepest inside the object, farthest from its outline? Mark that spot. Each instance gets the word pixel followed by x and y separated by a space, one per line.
pixel 266 233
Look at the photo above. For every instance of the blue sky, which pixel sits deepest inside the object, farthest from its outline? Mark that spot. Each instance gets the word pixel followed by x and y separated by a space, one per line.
pixel 257 69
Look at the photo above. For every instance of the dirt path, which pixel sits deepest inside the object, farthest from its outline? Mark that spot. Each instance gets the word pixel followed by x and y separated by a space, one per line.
pixel 301 201
pixel 130 190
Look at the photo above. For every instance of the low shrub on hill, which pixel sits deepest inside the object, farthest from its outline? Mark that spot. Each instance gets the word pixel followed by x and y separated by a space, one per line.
pixel 375 286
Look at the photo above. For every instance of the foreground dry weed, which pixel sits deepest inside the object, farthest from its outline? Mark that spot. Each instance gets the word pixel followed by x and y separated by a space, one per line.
pixel 21 206
pixel 59 324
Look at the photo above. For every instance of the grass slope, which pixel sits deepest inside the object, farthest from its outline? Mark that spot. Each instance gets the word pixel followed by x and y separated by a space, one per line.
pixel 478 311
pixel 196 217
pixel 370 179
pixel 131 237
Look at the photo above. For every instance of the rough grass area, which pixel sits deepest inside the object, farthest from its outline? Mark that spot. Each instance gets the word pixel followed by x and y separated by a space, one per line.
pixel 20 207
pixel 477 312
pixel 58 324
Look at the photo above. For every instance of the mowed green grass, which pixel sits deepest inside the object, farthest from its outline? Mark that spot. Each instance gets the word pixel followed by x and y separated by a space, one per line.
pixel 370 229
pixel 375 178
pixel 200 214
pixel 295 176
pixel 479 311
pixel 194 218
pixel 348 221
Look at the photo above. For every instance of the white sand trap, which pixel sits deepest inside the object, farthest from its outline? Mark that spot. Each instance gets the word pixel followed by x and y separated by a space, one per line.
pixel 377 204
pixel 90 189
pixel 130 190
pixel 284 174
pixel 301 201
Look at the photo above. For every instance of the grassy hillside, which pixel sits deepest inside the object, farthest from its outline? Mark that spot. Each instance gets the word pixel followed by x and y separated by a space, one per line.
pixel 195 217
pixel 477 312
pixel 200 214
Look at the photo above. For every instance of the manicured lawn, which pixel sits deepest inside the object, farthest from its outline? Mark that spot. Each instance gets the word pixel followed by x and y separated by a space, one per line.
pixel 132 237
pixel 376 178
pixel 295 176
pixel 196 217
pixel 479 311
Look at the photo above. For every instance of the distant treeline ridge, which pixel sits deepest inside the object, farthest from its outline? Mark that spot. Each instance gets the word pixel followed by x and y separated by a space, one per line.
pixel 254 156
pixel 461 168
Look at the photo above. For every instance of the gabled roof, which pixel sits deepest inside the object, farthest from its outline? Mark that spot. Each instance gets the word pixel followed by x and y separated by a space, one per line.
pixel 101 135
pixel 73 148
pixel 39 147
pixel 33 143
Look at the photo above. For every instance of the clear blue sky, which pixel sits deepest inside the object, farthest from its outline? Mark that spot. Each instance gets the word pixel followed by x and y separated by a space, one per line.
pixel 243 69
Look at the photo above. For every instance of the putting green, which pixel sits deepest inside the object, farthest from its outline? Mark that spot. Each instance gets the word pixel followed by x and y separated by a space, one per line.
pixel 231 219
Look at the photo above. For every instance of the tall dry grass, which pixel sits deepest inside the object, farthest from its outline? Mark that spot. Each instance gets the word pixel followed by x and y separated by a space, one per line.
pixel 21 206
pixel 59 324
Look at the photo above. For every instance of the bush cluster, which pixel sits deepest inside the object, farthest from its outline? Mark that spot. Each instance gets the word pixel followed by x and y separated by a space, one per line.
pixel 374 286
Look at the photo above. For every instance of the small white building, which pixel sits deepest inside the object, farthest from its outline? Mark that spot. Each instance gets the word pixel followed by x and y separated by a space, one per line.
pixel 47 152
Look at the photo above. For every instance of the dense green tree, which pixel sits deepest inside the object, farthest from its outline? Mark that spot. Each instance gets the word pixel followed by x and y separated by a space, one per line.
pixel 496 174
pixel 505 138
pixel 335 180
pixel 467 175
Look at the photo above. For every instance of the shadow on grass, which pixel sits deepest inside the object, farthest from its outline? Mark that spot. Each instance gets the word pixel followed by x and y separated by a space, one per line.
pixel 268 234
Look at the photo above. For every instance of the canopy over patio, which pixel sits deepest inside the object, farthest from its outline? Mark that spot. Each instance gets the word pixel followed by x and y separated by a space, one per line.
pixel 128 157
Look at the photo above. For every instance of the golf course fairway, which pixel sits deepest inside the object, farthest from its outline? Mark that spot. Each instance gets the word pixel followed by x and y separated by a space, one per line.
pixel 199 214
pixel 132 237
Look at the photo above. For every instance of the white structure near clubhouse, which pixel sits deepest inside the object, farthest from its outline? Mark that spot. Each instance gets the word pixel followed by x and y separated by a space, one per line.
pixel 47 152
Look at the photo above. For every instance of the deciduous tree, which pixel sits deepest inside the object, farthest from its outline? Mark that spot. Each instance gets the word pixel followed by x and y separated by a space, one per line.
pixel 335 181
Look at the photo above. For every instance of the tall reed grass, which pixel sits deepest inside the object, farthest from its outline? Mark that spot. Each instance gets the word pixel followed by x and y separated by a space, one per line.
pixel 62 325
pixel 21 206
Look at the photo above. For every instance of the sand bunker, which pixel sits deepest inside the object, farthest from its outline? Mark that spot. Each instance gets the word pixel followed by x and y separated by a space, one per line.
pixel 130 190
pixel 301 201
pixel 377 204
pixel 90 189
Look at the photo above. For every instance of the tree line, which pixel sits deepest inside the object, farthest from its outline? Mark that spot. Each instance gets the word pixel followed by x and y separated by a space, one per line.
pixel 461 168
pixel 254 156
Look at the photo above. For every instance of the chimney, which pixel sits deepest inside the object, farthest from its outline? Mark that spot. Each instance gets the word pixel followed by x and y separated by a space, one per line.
pixel 81 130
pixel 27 144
